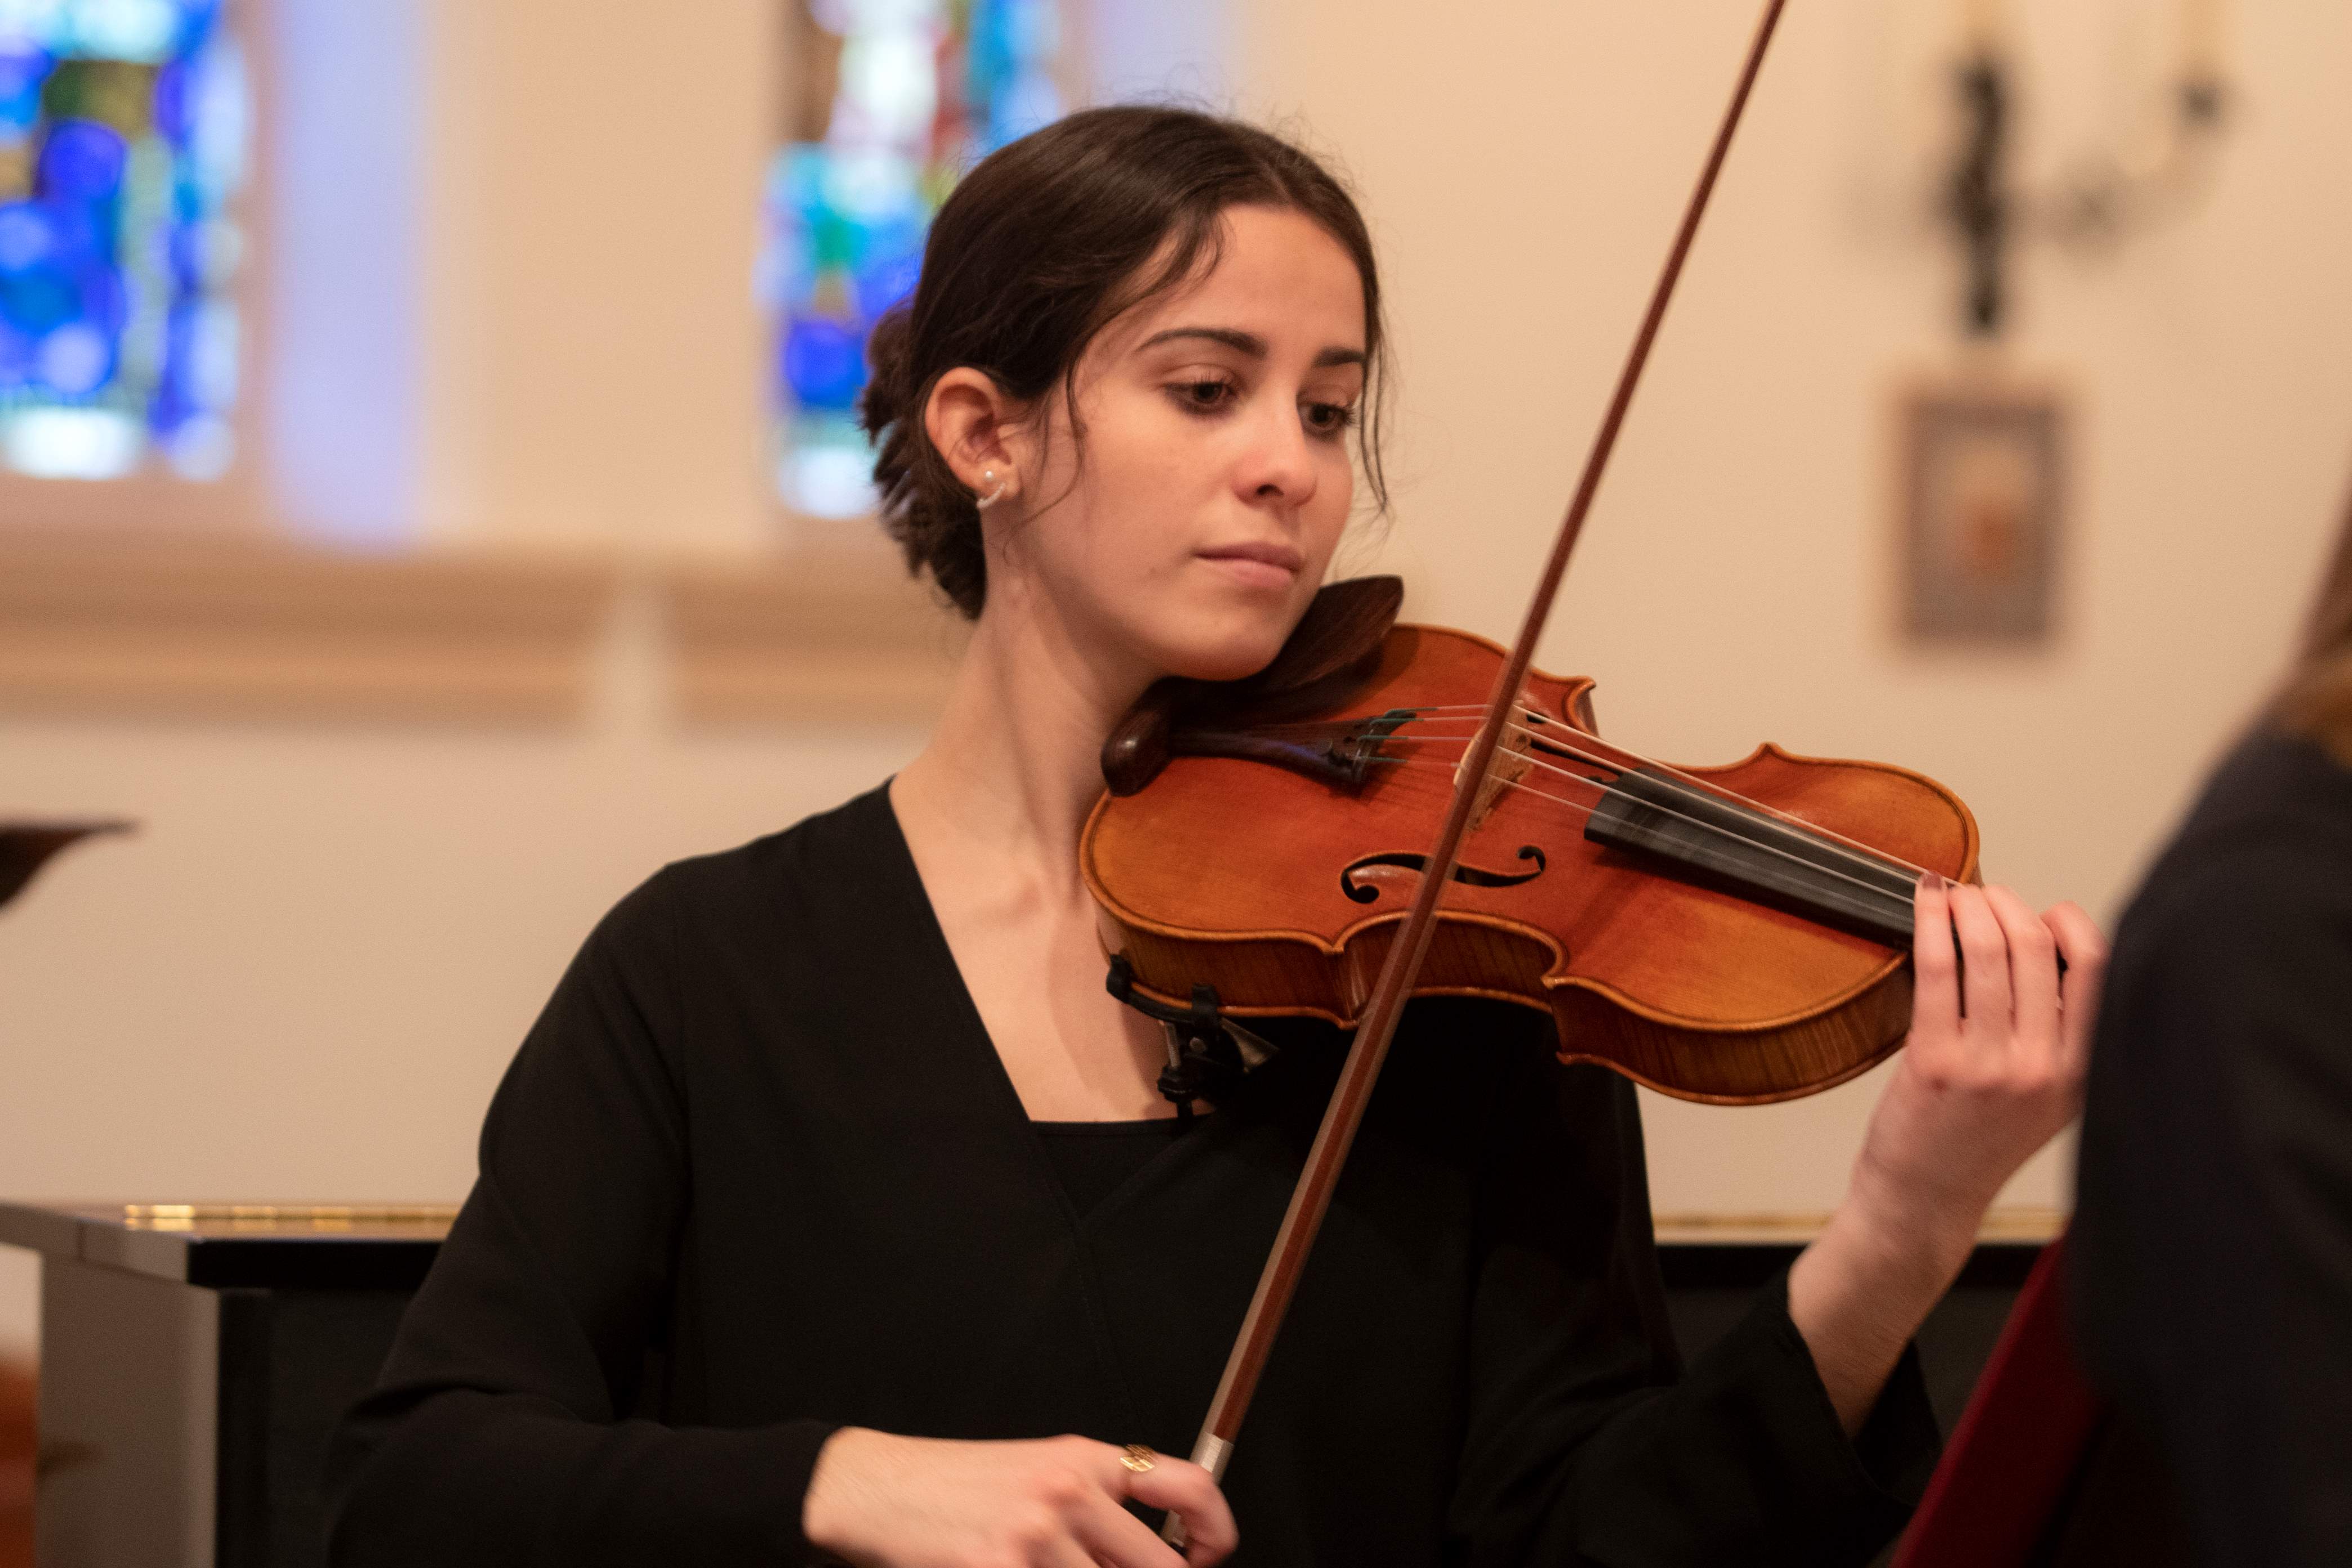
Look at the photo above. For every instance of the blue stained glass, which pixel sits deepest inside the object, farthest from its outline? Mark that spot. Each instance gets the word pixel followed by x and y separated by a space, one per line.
pixel 76 359
pixel 22 71
pixel 825 362
pixel 888 278
pixel 27 238
pixel 922 89
pixel 32 302
pixel 171 103
pixel 81 162
pixel 122 133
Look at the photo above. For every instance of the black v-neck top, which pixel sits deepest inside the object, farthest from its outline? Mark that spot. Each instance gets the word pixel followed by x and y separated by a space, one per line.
pixel 756 1172
pixel 1092 1159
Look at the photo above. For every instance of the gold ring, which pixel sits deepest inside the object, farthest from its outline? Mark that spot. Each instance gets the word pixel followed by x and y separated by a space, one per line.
pixel 1137 1457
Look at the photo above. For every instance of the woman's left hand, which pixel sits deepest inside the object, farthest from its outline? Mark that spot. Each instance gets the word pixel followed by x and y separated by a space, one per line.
pixel 2000 1039
pixel 1993 1069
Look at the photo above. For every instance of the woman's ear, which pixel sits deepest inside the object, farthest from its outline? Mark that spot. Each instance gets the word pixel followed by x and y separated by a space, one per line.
pixel 976 428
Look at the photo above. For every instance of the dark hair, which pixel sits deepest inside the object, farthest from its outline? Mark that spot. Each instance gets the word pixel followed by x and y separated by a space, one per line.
pixel 2316 701
pixel 1039 248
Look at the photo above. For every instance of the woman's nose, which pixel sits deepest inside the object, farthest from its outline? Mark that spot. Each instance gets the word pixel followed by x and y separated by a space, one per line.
pixel 1280 463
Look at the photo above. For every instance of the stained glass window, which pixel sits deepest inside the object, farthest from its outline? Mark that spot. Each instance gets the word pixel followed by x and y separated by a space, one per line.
pixel 123 138
pixel 896 98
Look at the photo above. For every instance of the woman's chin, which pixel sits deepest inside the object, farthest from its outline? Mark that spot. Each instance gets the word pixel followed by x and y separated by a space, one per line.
pixel 1237 655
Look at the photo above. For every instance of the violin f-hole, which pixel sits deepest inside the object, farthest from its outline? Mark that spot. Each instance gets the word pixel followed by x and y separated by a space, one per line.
pixel 1364 892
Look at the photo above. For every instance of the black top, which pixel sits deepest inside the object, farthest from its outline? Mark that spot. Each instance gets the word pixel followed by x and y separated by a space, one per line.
pixel 2211 1256
pixel 758 1172
pixel 1093 1160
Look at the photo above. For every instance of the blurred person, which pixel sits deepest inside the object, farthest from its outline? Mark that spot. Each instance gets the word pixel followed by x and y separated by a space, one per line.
pixel 2211 1250
pixel 830 1211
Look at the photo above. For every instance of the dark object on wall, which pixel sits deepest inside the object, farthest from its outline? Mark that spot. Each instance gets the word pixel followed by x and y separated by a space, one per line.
pixel 26 848
pixel 1983 471
pixel 2092 208
pixel 194 1358
pixel 1979 196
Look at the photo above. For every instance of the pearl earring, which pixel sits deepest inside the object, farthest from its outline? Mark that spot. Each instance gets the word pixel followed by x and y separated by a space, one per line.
pixel 988 476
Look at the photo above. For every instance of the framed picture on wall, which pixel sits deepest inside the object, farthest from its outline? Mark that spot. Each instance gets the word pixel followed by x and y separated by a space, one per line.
pixel 1982 472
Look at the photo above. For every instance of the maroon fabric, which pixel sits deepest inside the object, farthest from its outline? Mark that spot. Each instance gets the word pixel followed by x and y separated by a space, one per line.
pixel 17 1444
pixel 2012 1460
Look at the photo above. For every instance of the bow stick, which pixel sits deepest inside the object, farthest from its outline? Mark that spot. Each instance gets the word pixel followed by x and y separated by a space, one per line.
pixel 1312 1196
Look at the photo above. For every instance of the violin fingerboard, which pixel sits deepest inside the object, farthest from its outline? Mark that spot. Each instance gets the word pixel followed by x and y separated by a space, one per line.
pixel 1738 849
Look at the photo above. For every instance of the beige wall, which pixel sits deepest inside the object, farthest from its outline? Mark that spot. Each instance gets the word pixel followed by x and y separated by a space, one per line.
pixel 303 978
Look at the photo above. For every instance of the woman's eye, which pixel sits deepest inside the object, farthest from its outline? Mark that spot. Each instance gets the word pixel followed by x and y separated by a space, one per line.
pixel 1332 419
pixel 1204 396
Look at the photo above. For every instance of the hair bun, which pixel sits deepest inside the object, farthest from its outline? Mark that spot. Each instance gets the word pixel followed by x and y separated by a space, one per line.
pixel 889 359
pixel 923 508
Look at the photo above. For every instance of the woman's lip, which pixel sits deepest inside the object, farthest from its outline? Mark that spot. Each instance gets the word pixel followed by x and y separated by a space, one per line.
pixel 1280 556
pixel 1252 574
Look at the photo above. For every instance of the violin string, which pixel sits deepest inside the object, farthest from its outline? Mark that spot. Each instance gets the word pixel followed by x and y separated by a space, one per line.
pixel 1859 854
pixel 1581 812
pixel 1551 731
pixel 1829 839
pixel 1682 817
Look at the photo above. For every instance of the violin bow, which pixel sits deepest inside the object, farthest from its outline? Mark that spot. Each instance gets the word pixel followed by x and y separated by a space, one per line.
pixel 1312 1196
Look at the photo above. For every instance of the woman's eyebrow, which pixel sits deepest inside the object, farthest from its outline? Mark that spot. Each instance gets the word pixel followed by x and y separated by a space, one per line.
pixel 1248 344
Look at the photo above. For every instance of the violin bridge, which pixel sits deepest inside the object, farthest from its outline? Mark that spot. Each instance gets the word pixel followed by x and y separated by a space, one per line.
pixel 1510 764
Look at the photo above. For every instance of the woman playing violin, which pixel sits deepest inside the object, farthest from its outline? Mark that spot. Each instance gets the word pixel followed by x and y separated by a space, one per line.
pixel 830 1211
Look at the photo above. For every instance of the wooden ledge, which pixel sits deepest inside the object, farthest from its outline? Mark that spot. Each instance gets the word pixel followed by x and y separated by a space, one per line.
pixel 837 635
pixel 220 629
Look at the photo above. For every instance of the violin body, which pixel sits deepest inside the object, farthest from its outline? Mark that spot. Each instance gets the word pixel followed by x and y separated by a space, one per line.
pixel 1281 882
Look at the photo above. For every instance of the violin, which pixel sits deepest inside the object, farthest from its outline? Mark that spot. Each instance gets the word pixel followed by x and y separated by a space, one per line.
pixel 1735 934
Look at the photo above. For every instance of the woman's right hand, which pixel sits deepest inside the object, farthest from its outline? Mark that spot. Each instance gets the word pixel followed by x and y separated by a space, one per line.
pixel 882 1501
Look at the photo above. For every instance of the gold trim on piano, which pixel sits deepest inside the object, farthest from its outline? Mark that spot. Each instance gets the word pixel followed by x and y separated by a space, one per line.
pixel 287 1216
pixel 2011 1225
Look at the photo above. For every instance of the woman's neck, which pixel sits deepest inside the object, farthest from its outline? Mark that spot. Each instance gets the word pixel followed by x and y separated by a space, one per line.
pixel 1015 762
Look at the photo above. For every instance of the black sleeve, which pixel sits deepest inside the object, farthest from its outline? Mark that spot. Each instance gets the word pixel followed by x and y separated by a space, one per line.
pixel 2211 1256
pixel 1583 1446
pixel 500 1432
